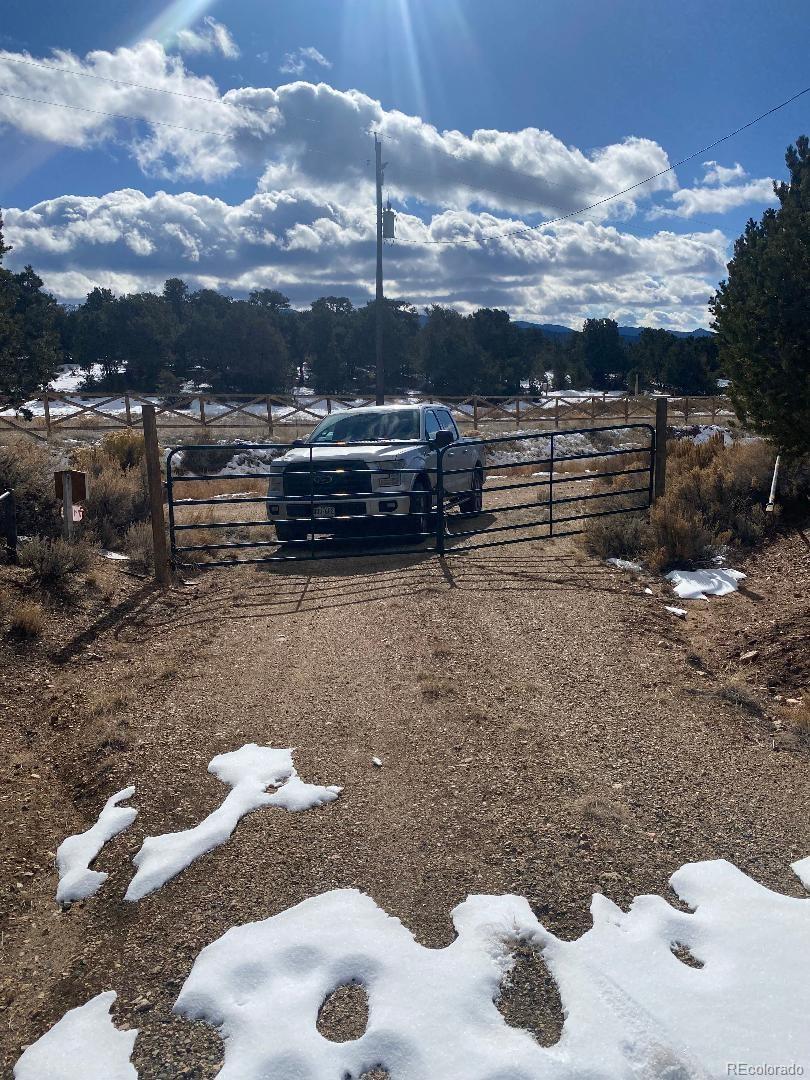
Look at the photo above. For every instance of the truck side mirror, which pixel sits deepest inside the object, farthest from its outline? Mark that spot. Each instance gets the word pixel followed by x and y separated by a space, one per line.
pixel 442 439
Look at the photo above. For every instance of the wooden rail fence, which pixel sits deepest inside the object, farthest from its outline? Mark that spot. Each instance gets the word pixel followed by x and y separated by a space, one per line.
pixel 58 415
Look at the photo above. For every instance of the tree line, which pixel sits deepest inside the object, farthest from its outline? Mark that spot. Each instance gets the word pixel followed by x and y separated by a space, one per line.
pixel 179 338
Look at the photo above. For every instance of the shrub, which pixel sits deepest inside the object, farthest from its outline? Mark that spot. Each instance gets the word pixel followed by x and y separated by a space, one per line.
pixel 50 561
pixel 715 499
pixel 116 499
pixel 138 545
pixel 126 448
pixel 201 458
pixel 28 470
pixel 619 536
pixel 27 620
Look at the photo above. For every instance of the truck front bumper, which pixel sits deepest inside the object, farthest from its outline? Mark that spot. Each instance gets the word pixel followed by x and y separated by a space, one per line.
pixel 325 511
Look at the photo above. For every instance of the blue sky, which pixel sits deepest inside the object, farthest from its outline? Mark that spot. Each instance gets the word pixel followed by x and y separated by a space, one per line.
pixel 495 117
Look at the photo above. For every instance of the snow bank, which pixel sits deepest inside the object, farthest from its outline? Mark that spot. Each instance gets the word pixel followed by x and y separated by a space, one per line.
pixel 249 771
pixel 74 855
pixel 83 1045
pixel 632 1008
pixel 701 584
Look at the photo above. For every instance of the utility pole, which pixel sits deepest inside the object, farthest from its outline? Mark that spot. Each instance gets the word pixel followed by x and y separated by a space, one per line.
pixel 378 306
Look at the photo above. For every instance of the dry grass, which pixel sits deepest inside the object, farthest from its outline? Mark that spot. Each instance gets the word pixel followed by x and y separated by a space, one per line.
pixel 139 546
pixel 27 620
pixel 740 697
pixel 598 810
pixel 799 719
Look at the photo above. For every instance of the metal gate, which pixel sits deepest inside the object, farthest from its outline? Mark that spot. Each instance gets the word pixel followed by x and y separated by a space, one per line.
pixel 535 485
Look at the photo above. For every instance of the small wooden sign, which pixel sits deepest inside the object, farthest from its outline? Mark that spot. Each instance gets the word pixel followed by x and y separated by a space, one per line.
pixel 78 484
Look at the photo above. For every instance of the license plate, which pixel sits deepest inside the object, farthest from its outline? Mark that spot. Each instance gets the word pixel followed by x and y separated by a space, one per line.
pixel 321 512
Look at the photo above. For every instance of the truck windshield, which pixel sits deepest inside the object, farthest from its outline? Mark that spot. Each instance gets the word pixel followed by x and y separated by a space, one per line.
pixel 359 427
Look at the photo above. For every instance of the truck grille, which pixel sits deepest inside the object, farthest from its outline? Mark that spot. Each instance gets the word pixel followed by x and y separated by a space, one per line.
pixel 330 478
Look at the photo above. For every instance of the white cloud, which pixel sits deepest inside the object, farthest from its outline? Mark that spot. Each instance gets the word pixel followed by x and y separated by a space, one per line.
pixel 309 227
pixel 309 246
pixel 314 135
pixel 716 193
pixel 214 37
pixel 723 174
pixel 296 62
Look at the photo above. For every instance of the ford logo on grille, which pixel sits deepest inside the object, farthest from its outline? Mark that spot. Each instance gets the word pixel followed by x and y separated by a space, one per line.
pixel 323 480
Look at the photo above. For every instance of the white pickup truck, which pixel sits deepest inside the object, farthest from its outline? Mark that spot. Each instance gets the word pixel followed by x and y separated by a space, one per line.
pixel 374 463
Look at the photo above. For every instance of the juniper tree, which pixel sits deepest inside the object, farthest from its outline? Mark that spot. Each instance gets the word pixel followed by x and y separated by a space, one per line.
pixel 762 313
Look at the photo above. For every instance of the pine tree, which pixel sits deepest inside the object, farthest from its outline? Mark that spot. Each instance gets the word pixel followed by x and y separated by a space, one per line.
pixel 761 314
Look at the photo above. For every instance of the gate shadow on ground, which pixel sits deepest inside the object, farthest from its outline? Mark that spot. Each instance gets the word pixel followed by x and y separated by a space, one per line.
pixel 293 589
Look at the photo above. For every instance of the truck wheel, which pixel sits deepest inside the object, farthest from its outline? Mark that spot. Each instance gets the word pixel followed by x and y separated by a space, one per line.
pixel 290 530
pixel 420 518
pixel 473 501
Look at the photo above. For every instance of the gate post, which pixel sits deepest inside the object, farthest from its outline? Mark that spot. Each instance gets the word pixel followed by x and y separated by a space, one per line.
pixel 152 456
pixel 440 501
pixel 660 447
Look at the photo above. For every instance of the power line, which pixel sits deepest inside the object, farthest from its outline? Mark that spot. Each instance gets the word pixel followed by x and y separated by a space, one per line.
pixel 137 86
pixel 136 119
pixel 116 116
pixel 532 232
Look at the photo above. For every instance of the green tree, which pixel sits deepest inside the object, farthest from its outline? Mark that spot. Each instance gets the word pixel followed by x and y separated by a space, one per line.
pixel 603 354
pixel 332 360
pixel 30 344
pixel 92 336
pixel 452 361
pixel 761 313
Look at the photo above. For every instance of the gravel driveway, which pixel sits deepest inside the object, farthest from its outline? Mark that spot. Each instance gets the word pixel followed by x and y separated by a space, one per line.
pixel 543 725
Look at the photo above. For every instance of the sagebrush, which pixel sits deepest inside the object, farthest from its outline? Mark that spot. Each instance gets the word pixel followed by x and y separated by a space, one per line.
pixel 51 561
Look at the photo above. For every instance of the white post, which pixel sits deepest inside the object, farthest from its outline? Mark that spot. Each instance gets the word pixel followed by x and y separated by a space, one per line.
pixel 772 497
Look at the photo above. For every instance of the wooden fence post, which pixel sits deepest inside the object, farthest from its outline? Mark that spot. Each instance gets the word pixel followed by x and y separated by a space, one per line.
pixel 67 504
pixel 46 403
pixel 202 410
pixel 269 417
pixel 155 482
pixel 660 478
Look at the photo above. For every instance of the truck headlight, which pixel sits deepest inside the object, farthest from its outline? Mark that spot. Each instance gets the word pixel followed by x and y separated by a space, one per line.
pixel 275 484
pixel 384 481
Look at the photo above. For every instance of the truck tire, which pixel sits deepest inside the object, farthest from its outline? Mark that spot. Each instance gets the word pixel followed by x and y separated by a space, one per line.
pixel 472 502
pixel 420 519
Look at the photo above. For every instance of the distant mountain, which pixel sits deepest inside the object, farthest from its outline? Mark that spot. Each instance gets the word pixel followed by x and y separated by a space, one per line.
pixel 624 331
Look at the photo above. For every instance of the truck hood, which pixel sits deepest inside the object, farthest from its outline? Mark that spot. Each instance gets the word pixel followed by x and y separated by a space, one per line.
pixel 382 453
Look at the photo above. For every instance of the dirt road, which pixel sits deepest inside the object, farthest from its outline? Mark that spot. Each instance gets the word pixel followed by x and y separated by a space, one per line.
pixel 545 728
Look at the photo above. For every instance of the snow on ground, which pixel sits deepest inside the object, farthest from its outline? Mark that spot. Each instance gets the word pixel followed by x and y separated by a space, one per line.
pixel 701 584
pixel 679 611
pixel 249 771
pixel 626 564
pixel 574 444
pixel 633 1009
pixel 83 1045
pixel 74 855
pixel 802 871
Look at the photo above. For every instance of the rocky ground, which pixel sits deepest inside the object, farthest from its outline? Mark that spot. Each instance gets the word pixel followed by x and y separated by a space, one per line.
pixel 545 727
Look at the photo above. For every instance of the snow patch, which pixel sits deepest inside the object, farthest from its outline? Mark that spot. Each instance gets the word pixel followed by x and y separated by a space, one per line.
pixel 701 584
pixel 74 855
pixel 802 870
pixel 679 611
pixel 632 1008
pixel 625 564
pixel 249 771
pixel 83 1045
